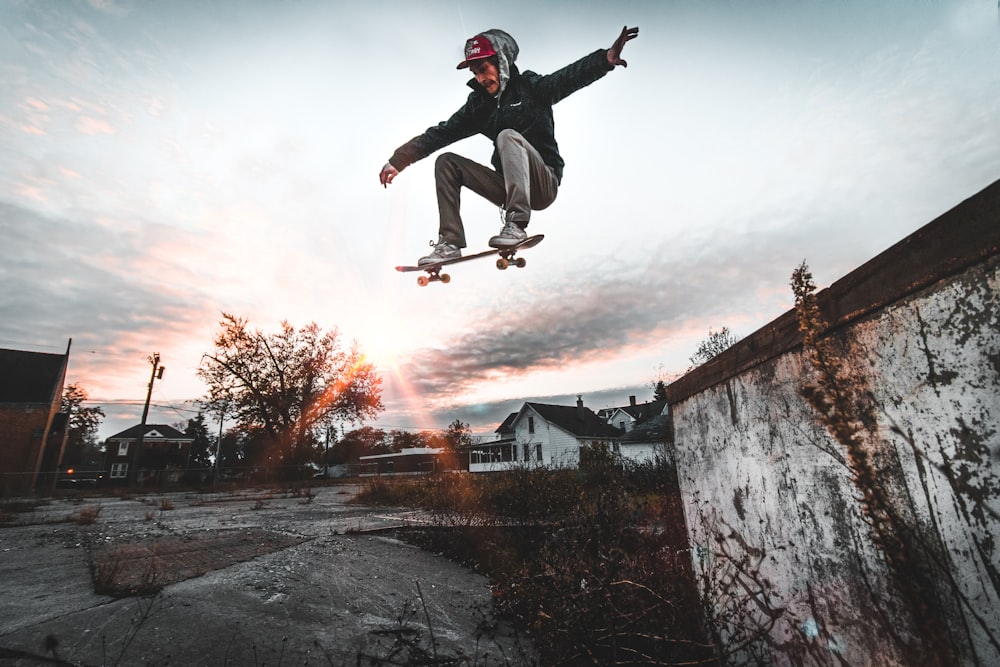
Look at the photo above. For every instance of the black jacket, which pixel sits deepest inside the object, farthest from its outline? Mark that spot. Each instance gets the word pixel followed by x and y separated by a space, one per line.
pixel 525 105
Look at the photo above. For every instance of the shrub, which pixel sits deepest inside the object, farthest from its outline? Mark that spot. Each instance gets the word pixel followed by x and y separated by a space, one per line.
pixel 608 586
pixel 87 515
pixel 594 561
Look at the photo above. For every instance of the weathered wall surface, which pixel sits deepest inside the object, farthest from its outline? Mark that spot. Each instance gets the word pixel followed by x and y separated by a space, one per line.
pixel 783 543
pixel 22 439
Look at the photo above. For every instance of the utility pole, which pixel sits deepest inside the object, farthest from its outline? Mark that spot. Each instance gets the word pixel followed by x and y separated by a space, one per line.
pixel 218 447
pixel 326 449
pixel 157 374
pixel 155 360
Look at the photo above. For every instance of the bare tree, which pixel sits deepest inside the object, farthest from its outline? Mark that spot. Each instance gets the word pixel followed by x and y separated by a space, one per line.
pixel 716 343
pixel 659 385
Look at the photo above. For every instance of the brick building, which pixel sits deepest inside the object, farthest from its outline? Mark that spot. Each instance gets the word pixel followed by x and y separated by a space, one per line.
pixel 32 428
pixel 163 457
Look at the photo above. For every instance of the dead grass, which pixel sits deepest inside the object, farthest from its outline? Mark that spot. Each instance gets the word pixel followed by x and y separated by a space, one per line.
pixel 87 515
pixel 594 562
pixel 127 570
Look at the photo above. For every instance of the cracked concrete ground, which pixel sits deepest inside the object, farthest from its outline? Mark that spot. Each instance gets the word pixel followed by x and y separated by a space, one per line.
pixel 249 578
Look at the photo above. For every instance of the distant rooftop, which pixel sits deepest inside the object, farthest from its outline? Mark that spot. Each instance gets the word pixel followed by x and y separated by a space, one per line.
pixel 152 432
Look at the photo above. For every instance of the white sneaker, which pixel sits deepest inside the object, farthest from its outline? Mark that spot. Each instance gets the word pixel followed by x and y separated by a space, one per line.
pixel 511 234
pixel 442 251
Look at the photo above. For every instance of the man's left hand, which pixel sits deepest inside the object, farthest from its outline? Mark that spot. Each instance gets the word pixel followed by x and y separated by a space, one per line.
pixel 387 174
pixel 615 52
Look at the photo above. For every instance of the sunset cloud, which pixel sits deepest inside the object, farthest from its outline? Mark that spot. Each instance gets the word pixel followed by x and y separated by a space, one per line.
pixel 36 104
pixel 31 129
pixel 91 126
pixel 577 321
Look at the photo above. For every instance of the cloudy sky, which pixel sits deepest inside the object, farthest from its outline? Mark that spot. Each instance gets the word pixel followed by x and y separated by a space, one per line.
pixel 165 162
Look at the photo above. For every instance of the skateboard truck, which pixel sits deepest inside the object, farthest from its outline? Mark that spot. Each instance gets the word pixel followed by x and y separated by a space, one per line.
pixel 433 275
pixel 507 258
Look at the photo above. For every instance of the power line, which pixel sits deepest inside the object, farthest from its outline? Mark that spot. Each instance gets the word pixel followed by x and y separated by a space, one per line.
pixel 162 406
pixel 76 352
pixel 24 343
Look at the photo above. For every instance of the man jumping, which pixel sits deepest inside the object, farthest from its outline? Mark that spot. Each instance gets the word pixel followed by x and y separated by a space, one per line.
pixel 514 110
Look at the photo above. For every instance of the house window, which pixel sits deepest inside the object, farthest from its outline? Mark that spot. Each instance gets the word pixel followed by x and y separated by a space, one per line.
pixel 527 452
pixel 538 451
pixel 531 424
pixel 621 425
pixel 122 449
pixel 118 470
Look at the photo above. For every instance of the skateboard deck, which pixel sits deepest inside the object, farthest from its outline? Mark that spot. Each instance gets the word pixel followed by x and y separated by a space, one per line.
pixel 505 259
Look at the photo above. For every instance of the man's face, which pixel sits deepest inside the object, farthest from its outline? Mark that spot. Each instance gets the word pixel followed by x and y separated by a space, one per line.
pixel 487 75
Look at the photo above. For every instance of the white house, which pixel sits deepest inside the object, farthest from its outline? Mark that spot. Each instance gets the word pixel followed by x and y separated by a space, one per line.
pixel 649 441
pixel 627 417
pixel 543 435
pixel 647 430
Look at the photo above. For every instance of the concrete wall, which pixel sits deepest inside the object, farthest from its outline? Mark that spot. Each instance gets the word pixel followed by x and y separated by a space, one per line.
pixel 797 566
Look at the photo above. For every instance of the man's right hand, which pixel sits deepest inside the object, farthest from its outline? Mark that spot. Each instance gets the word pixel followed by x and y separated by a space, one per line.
pixel 387 174
pixel 615 52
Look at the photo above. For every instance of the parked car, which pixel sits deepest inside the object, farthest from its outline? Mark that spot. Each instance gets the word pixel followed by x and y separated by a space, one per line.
pixel 71 478
pixel 332 472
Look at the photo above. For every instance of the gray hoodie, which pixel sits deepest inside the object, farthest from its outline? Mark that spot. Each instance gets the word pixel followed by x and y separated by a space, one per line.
pixel 507 50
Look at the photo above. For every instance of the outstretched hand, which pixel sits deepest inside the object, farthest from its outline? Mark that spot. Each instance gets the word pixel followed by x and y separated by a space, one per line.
pixel 387 174
pixel 615 52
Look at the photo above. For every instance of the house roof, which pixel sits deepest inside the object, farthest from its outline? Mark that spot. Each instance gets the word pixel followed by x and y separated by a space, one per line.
pixel 640 412
pixel 577 420
pixel 507 426
pixel 30 377
pixel 152 432
pixel 406 451
pixel 657 428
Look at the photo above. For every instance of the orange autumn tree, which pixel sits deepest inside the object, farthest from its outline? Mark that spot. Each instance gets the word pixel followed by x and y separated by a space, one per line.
pixel 285 388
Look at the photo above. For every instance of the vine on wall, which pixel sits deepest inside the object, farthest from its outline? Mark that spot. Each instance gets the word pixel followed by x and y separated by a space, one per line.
pixel 846 407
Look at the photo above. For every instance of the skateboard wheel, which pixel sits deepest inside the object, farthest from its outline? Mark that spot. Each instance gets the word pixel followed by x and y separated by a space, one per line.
pixel 521 262
pixel 502 263
pixel 422 281
pixel 445 278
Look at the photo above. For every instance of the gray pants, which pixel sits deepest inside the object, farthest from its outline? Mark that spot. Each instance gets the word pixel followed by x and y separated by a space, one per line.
pixel 527 184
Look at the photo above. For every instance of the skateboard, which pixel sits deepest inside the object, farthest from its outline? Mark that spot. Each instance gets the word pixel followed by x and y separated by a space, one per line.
pixel 505 259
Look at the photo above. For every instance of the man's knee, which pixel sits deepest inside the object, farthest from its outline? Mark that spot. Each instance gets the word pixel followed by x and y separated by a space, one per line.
pixel 445 161
pixel 448 168
pixel 508 137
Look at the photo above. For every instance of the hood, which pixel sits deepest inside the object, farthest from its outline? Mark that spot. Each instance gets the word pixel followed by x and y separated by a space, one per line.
pixel 507 50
